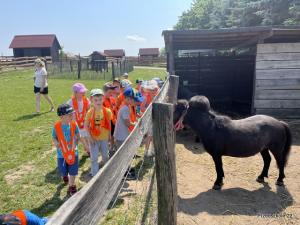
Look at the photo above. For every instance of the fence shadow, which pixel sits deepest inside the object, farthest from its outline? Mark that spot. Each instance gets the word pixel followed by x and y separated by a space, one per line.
pixel 237 201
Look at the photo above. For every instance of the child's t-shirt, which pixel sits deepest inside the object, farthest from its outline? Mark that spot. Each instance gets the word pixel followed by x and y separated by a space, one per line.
pixel 39 75
pixel 121 130
pixel 67 134
pixel 104 135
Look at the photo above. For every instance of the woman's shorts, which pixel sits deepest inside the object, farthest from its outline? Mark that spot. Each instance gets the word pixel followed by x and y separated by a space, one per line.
pixel 38 90
pixel 65 169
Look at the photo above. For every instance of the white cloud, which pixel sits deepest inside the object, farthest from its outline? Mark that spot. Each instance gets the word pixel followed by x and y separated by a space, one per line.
pixel 136 38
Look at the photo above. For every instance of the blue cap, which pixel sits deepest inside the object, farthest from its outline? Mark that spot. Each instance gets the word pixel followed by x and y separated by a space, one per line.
pixel 129 92
pixel 138 97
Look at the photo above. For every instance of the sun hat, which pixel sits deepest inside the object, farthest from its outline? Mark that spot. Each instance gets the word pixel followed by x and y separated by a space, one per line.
pixel 150 85
pixel 96 91
pixel 64 109
pixel 79 87
pixel 40 62
pixel 125 83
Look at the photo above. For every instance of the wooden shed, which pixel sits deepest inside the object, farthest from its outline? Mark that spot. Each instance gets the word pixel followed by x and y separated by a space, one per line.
pixel 251 70
pixel 115 53
pixel 98 61
pixel 36 45
pixel 148 53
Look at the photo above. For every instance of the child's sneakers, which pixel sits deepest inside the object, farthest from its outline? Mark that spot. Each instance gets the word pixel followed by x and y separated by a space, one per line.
pixel 72 190
pixel 65 179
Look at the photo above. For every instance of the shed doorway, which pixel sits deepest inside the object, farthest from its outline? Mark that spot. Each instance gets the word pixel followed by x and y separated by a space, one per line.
pixel 227 80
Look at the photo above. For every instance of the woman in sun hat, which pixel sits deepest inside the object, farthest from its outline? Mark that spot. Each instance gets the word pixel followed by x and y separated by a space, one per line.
pixel 41 85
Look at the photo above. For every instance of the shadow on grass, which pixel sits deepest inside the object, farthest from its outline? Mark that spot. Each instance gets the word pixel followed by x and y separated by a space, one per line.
pixel 53 177
pixel 29 116
pixel 51 205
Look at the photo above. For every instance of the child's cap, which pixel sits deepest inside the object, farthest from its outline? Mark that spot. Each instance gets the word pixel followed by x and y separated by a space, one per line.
pixel 139 80
pixel 125 75
pixel 138 97
pixel 150 85
pixel 96 91
pixel 117 80
pixel 64 109
pixel 125 83
pixel 79 87
pixel 109 86
pixel 129 92
pixel 9 219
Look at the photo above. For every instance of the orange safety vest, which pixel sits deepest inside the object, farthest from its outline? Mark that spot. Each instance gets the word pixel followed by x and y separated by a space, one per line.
pixel 21 215
pixel 120 100
pixel 111 104
pixel 68 152
pixel 80 115
pixel 95 130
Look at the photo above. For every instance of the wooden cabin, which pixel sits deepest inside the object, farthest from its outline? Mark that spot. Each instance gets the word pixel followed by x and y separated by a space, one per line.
pixel 115 53
pixel 98 61
pixel 243 71
pixel 148 53
pixel 36 45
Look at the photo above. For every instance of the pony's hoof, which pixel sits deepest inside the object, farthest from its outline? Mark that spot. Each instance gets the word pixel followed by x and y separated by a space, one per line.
pixel 279 183
pixel 260 180
pixel 217 186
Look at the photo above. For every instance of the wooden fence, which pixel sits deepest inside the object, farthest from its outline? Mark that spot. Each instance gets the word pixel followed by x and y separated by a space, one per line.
pixel 10 62
pixel 90 203
pixel 147 61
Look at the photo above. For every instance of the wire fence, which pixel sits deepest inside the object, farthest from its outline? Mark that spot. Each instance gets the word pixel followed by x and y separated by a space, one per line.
pixel 85 68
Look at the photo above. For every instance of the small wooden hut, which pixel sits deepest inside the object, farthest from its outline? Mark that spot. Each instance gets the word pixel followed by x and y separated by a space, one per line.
pixel 251 70
pixel 98 61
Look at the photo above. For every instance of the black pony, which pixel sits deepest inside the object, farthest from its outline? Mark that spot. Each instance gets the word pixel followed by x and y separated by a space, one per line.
pixel 221 135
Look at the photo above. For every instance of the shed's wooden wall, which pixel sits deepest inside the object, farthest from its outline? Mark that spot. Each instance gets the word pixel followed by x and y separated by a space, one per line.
pixel 277 83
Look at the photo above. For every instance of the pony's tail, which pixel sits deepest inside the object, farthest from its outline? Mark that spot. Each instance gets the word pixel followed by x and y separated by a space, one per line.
pixel 288 143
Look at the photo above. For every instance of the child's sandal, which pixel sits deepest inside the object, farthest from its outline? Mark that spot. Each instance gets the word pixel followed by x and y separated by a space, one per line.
pixel 65 179
pixel 72 190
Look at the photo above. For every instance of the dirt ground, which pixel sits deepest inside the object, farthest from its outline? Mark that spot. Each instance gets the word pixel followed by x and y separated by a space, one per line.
pixel 242 200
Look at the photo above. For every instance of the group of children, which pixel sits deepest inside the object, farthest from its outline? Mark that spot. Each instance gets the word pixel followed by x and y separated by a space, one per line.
pixel 101 123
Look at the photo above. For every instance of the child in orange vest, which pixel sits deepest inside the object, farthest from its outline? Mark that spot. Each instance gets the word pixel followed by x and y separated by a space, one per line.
pixel 126 119
pixel 22 217
pixel 66 135
pixel 81 104
pixel 110 102
pixel 124 85
pixel 98 124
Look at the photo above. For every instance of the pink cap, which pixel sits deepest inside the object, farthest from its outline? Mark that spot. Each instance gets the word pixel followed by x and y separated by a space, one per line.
pixel 79 87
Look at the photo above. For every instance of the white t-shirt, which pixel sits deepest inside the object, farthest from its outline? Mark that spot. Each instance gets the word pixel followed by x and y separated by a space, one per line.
pixel 121 130
pixel 39 76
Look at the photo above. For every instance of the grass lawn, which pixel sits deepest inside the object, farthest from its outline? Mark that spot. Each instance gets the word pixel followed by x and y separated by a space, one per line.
pixel 28 175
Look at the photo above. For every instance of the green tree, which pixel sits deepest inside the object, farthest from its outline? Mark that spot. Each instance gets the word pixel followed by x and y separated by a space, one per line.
pixel 207 14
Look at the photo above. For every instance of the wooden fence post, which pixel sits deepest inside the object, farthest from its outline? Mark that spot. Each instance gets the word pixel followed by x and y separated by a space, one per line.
pixel 113 70
pixel 79 68
pixel 164 144
pixel 173 90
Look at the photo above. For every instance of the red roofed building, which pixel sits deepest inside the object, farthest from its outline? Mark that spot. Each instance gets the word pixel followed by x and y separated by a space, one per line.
pixel 115 53
pixel 36 45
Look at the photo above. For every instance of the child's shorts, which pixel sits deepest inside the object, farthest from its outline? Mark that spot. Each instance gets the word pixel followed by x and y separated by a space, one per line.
pixel 65 169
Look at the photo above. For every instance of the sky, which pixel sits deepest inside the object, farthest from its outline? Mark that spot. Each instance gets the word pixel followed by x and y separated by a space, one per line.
pixel 91 25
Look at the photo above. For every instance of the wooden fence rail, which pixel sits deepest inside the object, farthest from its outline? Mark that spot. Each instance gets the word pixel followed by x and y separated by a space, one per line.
pixel 12 62
pixel 90 203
